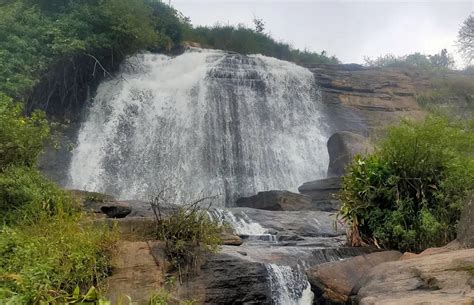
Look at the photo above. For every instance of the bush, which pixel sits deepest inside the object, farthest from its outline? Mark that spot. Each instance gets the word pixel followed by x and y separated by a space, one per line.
pixel 453 95
pixel 440 61
pixel 408 194
pixel 21 138
pixel 26 196
pixel 187 230
pixel 46 261
pixel 248 41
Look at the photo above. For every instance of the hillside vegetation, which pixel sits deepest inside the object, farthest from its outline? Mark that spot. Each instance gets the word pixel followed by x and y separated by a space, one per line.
pixel 52 51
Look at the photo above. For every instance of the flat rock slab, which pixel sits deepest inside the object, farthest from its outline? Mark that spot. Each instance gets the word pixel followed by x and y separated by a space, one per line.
pixel 335 281
pixel 135 274
pixel 444 278
pixel 290 223
pixel 276 201
pixel 323 193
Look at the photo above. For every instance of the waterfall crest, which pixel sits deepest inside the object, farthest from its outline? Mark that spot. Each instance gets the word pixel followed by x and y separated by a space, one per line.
pixel 206 121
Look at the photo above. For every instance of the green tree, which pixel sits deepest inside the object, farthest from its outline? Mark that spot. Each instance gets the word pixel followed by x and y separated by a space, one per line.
pixel 466 39
pixel 442 60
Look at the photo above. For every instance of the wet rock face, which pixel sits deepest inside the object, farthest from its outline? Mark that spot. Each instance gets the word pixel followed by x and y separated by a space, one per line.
pixel 230 280
pixel 276 201
pixel 323 193
pixel 342 147
pixel 291 223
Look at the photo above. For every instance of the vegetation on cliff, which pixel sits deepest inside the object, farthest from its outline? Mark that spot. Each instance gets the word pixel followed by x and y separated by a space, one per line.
pixel 51 51
pixel 246 40
pixel 453 96
pixel 408 194
pixel 46 252
pixel 443 60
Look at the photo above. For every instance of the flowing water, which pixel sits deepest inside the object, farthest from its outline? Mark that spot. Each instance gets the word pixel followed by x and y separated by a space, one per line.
pixel 204 122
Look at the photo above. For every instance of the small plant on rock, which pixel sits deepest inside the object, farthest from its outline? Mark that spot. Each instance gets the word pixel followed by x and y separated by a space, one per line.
pixel 188 231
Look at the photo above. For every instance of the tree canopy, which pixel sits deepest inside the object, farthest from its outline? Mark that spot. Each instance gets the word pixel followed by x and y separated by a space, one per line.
pixel 466 39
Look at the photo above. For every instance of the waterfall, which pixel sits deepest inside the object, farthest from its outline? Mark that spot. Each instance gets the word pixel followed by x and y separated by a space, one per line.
pixel 204 122
pixel 242 225
pixel 289 285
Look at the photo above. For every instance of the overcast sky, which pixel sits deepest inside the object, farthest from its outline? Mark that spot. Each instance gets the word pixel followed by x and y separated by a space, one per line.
pixel 348 29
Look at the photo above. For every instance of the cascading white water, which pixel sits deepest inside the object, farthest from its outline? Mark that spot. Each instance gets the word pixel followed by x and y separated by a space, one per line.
pixel 205 121
pixel 289 285
pixel 241 225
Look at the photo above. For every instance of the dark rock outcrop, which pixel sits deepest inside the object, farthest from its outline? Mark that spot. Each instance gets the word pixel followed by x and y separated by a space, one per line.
pixel 323 193
pixel 115 211
pixel 335 282
pixel 276 201
pixel 230 280
pixel 342 147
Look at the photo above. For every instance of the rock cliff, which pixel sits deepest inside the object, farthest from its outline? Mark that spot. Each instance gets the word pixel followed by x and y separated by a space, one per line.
pixel 363 99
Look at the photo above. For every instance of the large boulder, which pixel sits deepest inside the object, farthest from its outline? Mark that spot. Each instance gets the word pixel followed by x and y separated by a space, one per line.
pixel 342 147
pixel 466 224
pixel 323 193
pixel 444 278
pixel 276 201
pixel 230 280
pixel 335 282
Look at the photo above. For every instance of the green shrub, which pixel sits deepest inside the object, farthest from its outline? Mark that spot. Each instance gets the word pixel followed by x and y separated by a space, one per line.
pixel 35 34
pixel 441 61
pixel 26 196
pixel 21 138
pixel 245 40
pixel 47 260
pixel 188 232
pixel 407 195
pixel 453 95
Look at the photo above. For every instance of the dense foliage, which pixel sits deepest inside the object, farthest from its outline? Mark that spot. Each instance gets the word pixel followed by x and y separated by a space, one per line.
pixel 47 260
pixel 408 194
pixel 245 40
pixel 34 34
pixel 443 60
pixel 21 138
pixel 45 252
